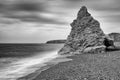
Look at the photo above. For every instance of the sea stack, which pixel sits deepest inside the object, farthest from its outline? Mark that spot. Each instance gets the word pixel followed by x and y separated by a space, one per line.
pixel 85 36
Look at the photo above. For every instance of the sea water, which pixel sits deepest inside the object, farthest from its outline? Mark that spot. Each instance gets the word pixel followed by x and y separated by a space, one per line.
pixel 16 66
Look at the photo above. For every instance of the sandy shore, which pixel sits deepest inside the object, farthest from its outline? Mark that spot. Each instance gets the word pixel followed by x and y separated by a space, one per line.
pixel 84 67
pixel 47 66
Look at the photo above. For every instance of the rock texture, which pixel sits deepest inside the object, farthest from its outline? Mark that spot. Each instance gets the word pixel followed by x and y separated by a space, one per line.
pixel 56 42
pixel 109 42
pixel 85 32
pixel 115 36
pixel 95 49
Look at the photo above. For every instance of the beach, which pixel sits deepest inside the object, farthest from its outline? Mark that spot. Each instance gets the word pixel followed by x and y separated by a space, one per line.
pixel 28 59
pixel 49 65
pixel 83 67
pixel 46 65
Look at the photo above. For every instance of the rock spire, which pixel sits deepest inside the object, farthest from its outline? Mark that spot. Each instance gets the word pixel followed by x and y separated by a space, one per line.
pixel 85 35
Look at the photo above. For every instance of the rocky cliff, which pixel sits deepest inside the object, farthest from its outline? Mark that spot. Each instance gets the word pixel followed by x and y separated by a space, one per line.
pixel 85 36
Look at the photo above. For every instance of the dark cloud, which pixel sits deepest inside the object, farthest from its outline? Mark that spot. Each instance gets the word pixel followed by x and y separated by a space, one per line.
pixel 22 5
pixel 57 13
pixel 23 9
pixel 9 7
pixel 28 5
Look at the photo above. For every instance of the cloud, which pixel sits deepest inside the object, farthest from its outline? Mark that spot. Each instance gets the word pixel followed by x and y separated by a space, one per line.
pixel 30 11
pixel 112 18
pixel 71 4
pixel 30 5
pixel 104 5
pixel 26 10
pixel 35 18
pixel 52 17
pixel 22 5
pixel 30 33
pixel 107 9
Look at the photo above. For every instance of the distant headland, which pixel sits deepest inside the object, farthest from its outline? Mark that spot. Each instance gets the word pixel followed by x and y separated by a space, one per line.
pixel 62 41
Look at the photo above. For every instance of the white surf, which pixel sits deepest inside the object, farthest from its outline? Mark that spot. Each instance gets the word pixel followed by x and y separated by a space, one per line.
pixel 26 66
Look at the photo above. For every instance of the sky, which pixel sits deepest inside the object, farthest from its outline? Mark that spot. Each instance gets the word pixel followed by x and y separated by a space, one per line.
pixel 37 21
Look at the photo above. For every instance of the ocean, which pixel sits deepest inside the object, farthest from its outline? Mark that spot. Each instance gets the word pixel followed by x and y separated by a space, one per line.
pixel 18 60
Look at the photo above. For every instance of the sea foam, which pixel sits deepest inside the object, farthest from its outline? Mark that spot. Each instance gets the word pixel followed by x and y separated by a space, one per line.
pixel 26 66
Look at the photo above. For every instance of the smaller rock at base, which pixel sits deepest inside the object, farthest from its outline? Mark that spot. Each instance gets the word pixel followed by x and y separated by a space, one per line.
pixel 94 50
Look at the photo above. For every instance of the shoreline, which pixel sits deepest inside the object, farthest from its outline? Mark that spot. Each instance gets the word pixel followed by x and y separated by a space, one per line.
pixel 46 66
pixel 84 67
pixel 31 76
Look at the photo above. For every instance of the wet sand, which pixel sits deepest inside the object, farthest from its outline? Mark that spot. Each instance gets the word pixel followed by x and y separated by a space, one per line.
pixel 46 66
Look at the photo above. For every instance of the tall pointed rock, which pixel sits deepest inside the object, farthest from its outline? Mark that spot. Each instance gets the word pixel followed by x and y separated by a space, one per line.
pixel 85 34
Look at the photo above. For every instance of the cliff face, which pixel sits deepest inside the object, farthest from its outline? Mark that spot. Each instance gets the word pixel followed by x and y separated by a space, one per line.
pixel 85 34
pixel 115 36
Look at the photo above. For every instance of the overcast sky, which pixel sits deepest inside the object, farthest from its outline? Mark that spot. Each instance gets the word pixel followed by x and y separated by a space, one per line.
pixel 36 21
